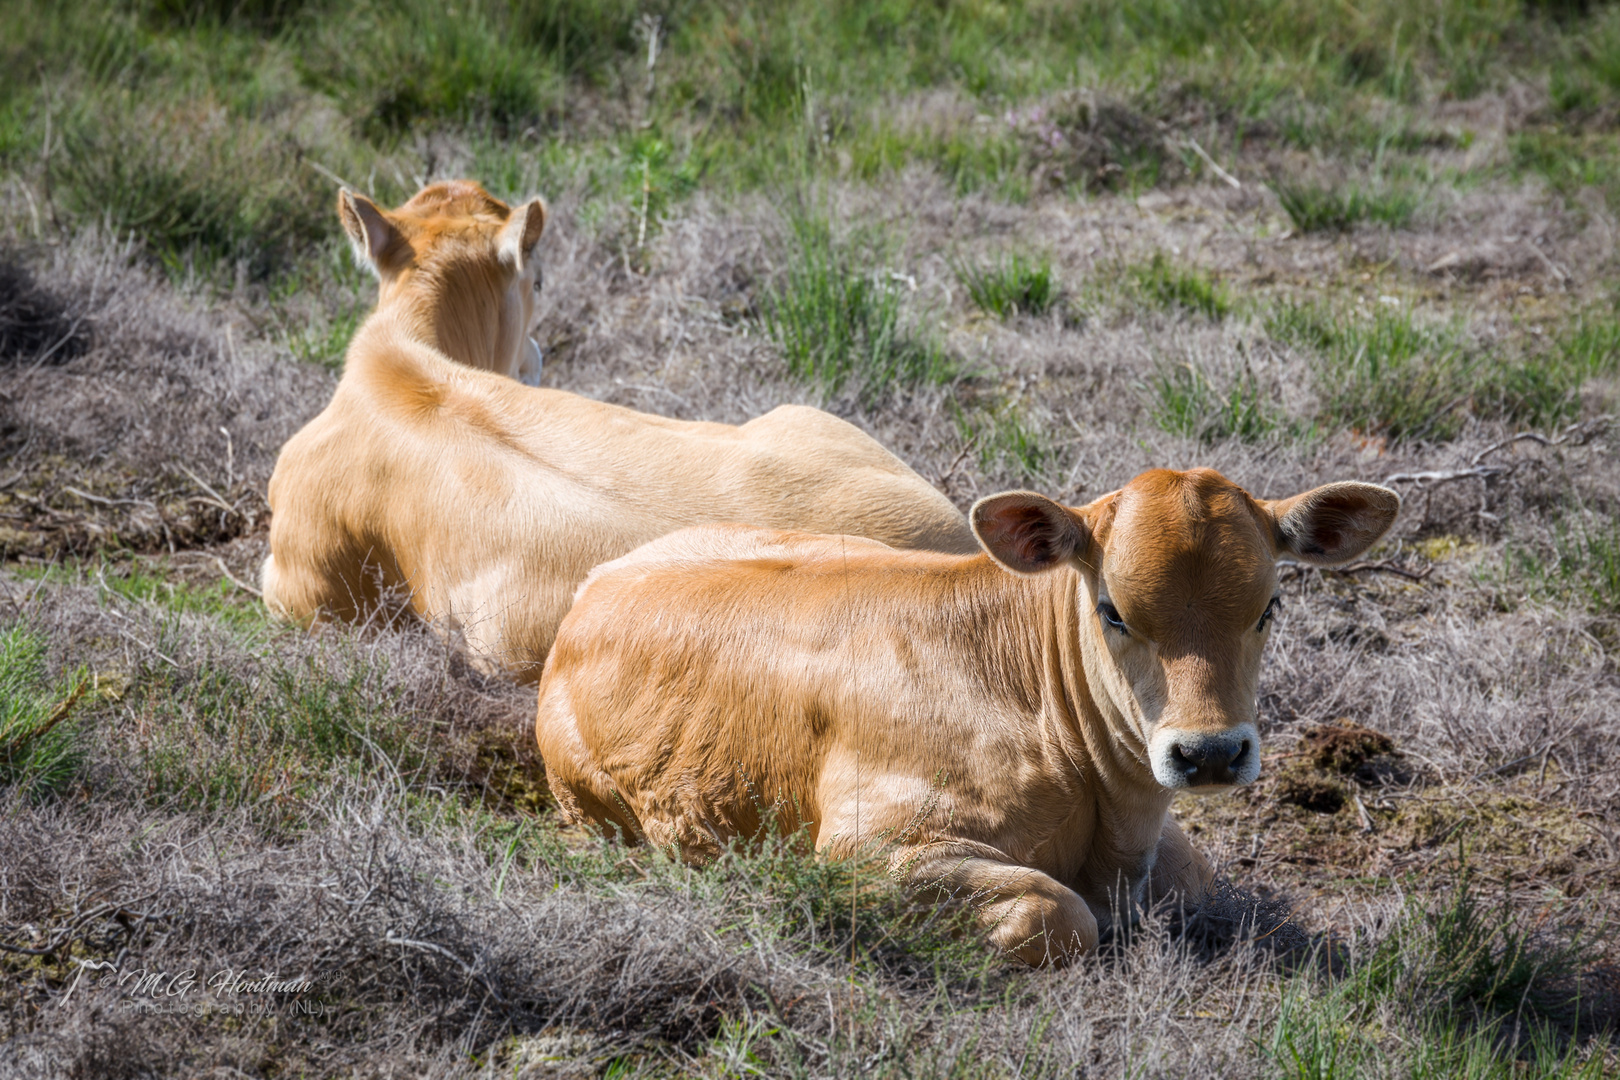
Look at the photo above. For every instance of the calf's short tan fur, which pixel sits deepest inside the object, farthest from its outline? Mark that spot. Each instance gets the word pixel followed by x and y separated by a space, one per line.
pixel 1017 721
pixel 433 475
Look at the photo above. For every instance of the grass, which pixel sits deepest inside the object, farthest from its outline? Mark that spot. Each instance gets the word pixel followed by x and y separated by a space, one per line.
pixel 968 157
pixel 1164 284
pixel 193 184
pixel 359 802
pixel 1010 286
pixel 1579 563
pixel 838 318
pixel 326 345
pixel 200 125
pixel 1187 402
pixel 1483 990
pixel 39 744
pixel 1338 207
pixel 154 587
pixel 1591 346
pixel 1005 438
pixel 220 742
pixel 1590 73
pixel 343 291
pixel 417 61
pixel 1388 373
pixel 1466 987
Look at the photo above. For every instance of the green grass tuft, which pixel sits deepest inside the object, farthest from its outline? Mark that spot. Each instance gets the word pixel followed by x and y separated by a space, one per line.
pixel 1570 161
pixel 969 160
pixel 192 183
pixel 837 317
pixel 1481 989
pixel 1592 345
pixel 39 751
pixel 1005 438
pixel 1580 563
pixel 1336 208
pixel 220 600
pixel 415 63
pixel 1010 286
pixel 325 342
pixel 266 738
pixel 1166 285
pixel 1388 374
pixel 1186 402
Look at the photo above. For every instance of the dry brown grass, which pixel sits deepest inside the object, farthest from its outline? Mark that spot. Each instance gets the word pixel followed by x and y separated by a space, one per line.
pixel 441 939
pixel 131 417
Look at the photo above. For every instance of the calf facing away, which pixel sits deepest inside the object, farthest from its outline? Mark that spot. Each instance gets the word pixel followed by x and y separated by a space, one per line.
pixel 1016 721
pixel 435 476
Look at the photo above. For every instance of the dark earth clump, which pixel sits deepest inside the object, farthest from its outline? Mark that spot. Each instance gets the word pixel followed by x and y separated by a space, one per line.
pixel 1332 753
pixel 1343 747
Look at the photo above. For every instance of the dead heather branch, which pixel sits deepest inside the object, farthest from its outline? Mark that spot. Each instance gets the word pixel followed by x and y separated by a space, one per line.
pixel 1577 434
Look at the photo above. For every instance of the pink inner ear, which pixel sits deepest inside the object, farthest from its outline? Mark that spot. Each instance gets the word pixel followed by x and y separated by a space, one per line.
pixel 1028 532
pixel 1325 538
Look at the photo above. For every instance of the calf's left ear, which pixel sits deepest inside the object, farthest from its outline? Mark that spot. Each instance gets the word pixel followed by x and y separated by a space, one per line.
pixel 1026 532
pixel 1333 523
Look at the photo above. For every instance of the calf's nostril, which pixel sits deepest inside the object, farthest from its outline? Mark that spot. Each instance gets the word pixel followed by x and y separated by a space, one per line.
pixel 1179 758
pixel 1241 757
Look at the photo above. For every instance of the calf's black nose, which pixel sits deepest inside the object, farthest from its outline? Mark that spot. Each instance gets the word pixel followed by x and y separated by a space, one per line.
pixel 1210 760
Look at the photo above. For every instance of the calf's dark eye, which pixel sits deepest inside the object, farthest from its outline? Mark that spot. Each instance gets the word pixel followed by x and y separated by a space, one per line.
pixel 1110 616
pixel 1271 611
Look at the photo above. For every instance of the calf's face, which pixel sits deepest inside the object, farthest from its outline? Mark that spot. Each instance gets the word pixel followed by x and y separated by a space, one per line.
pixel 463 264
pixel 1178 592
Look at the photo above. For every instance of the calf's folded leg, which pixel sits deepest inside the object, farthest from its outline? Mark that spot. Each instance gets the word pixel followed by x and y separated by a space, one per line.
pixel 1178 869
pixel 1028 913
pixel 585 794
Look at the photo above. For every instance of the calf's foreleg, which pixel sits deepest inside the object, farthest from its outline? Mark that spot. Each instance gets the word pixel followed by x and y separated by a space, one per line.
pixel 1028 913
pixel 1179 870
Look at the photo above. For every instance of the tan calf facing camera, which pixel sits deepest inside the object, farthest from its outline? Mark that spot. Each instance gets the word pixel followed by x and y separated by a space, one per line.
pixel 1016 721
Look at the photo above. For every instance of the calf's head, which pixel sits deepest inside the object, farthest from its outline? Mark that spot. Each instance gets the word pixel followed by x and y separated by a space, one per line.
pixel 461 266
pixel 1178 583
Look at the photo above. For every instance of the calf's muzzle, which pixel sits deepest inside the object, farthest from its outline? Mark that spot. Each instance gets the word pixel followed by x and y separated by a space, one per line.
pixel 1193 759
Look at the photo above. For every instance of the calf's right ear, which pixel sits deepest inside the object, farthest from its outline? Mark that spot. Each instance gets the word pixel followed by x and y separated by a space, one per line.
pixel 1333 523
pixel 377 242
pixel 1025 532
pixel 521 232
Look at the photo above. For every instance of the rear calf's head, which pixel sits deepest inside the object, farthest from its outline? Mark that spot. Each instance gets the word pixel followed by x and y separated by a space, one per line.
pixel 461 266
pixel 1178 589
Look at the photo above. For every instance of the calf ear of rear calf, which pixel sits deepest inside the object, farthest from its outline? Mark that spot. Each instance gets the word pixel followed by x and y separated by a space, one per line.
pixel 521 232
pixel 1333 523
pixel 1025 532
pixel 376 241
